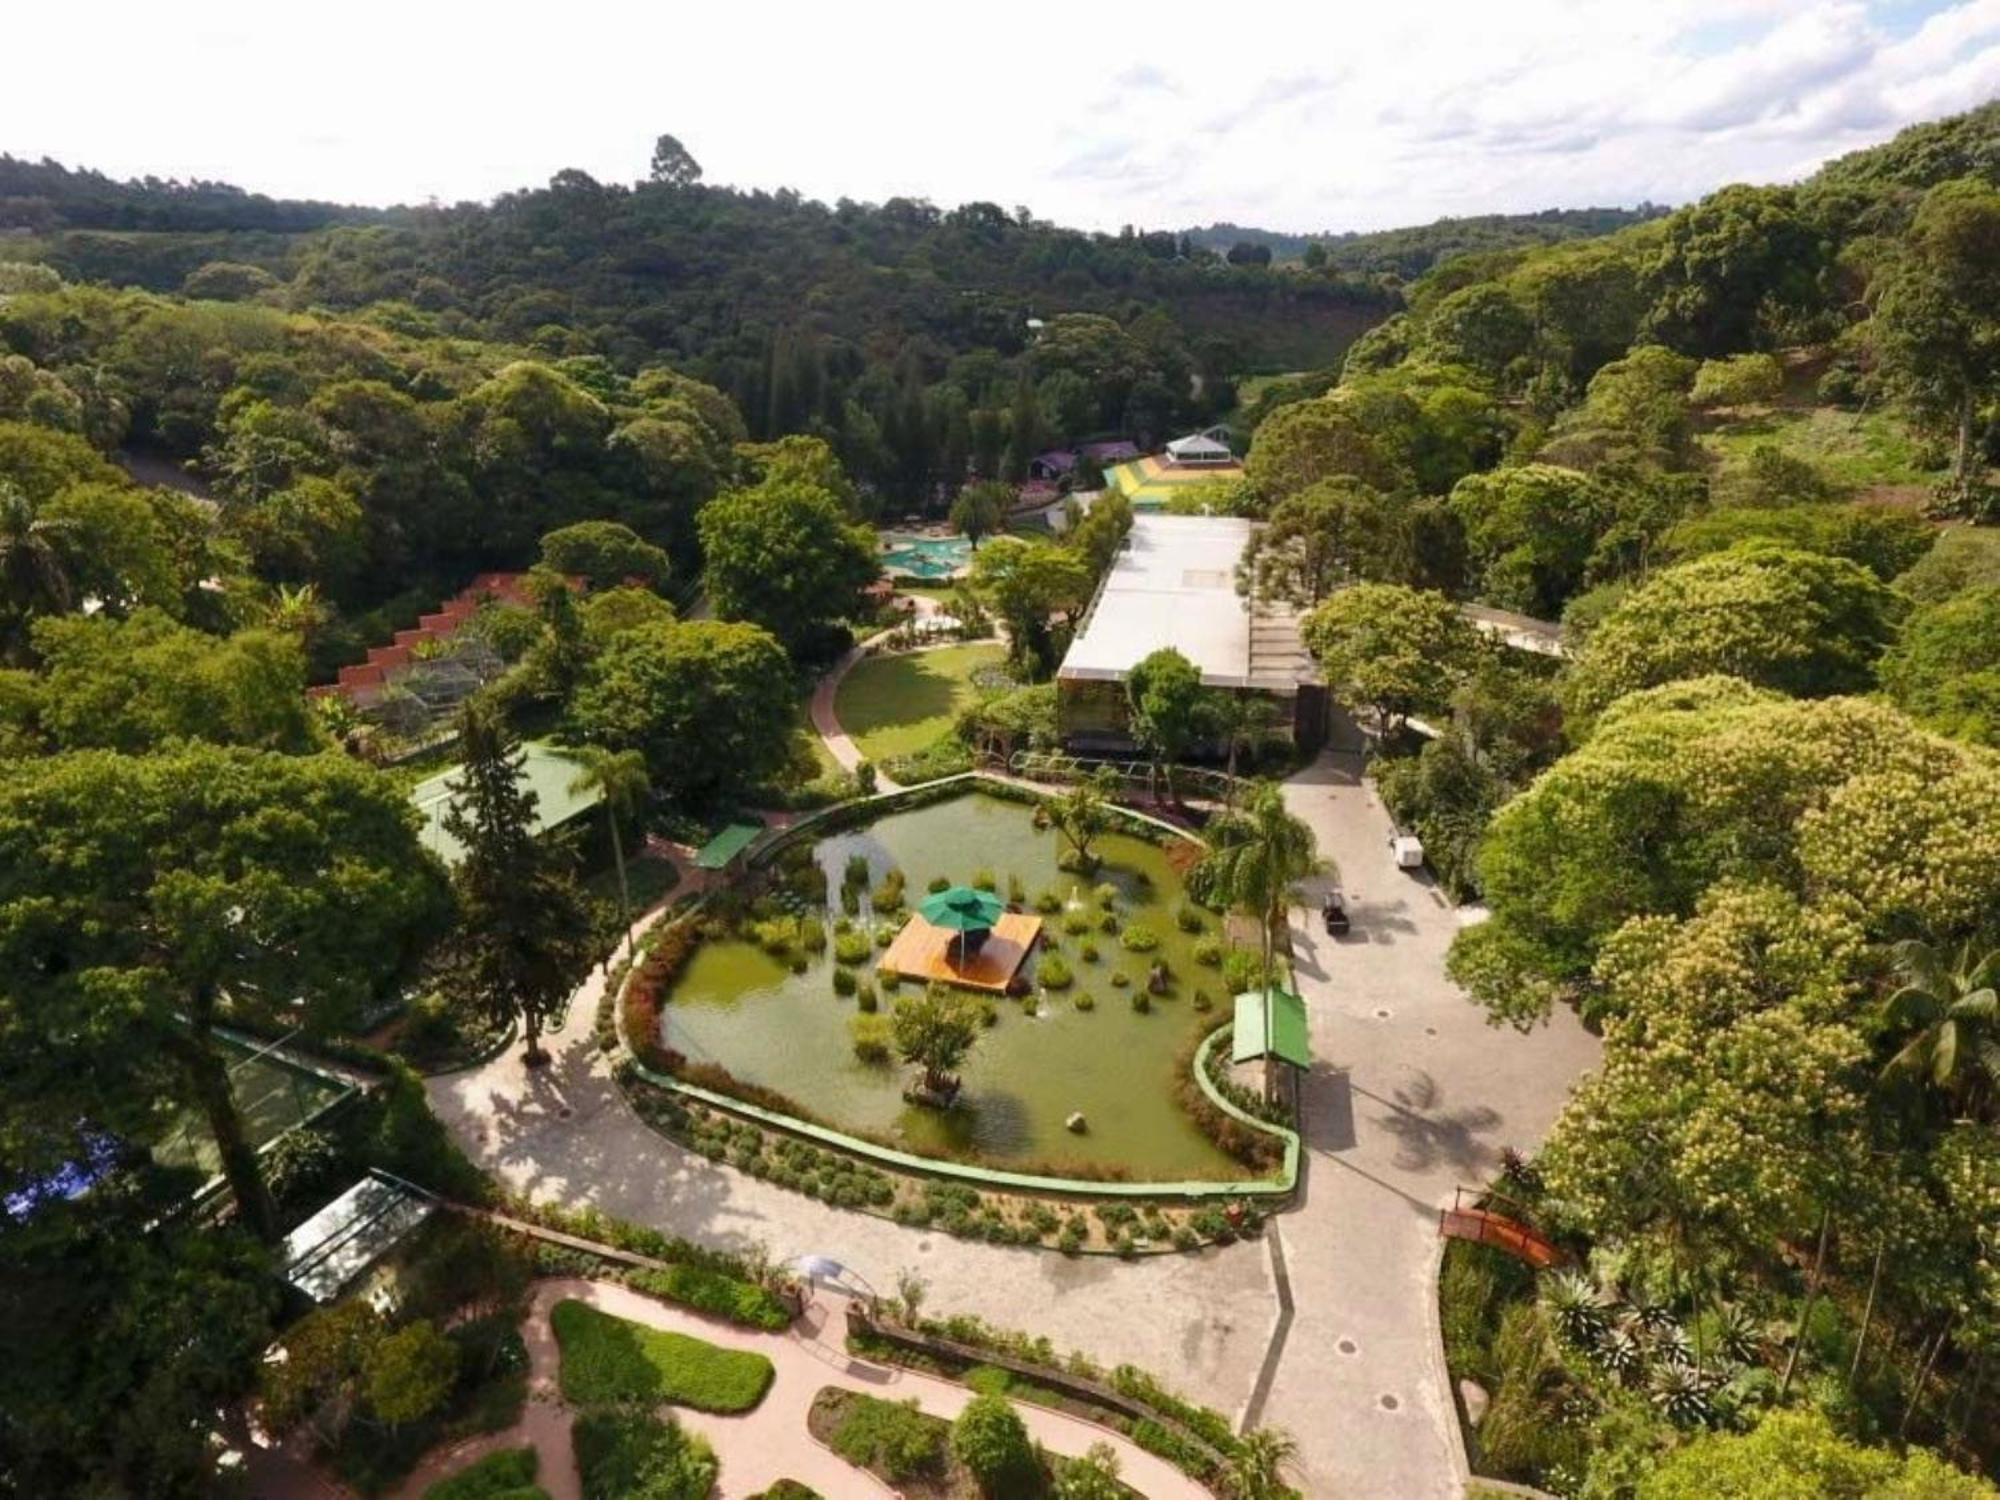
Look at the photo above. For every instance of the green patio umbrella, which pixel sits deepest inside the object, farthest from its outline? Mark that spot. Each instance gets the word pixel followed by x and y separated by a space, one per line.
pixel 962 909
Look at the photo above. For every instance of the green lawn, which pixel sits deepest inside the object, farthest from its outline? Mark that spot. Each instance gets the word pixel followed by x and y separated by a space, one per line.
pixel 898 705
pixel 1857 451
pixel 608 1359
pixel 507 1474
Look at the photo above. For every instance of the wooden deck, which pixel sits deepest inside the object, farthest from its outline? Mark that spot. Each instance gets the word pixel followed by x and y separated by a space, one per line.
pixel 924 952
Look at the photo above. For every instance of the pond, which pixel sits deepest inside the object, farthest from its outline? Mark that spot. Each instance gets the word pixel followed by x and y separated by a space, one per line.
pixel 738 1006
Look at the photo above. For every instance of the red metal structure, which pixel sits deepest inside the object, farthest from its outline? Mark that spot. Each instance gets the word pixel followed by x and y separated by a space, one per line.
pixel 1483 1226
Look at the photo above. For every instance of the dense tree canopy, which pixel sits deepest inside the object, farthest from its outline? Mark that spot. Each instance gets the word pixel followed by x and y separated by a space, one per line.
pixel 1806 624
pixel 707 703
pixel 1391 650
pixel 783 555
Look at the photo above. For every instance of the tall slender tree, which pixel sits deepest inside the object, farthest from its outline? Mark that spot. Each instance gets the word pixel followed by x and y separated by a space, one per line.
pixel 619 776
pixel 34 579
pixel 1949 1011
pixel 1255 860
pixel 523 928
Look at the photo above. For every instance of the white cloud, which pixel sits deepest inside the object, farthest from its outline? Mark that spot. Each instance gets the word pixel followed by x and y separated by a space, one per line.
pixel 1301 114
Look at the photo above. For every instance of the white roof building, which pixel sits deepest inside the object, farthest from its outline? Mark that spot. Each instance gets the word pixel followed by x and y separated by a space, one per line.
pixel 1174 584
pixel 1199 448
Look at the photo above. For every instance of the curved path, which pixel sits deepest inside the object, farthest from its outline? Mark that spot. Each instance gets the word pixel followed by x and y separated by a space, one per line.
pixel 1399 1108
pixel 771 1443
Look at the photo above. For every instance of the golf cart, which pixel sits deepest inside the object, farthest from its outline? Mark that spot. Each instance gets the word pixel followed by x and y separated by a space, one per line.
pixel 1334 914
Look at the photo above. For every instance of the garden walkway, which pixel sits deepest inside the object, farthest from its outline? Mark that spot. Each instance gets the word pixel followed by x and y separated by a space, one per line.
pixel 770 1443
pixel 1412 1094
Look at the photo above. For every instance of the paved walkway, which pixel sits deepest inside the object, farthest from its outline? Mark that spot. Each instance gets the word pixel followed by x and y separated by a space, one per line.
pixel 1400 1109
pixel 771 1443
pixel 1412 1094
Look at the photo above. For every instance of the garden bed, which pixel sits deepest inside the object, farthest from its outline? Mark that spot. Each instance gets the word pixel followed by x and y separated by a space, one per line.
pixel 607 1359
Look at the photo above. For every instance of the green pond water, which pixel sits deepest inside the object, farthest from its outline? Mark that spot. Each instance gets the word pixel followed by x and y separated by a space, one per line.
pixel 737 1006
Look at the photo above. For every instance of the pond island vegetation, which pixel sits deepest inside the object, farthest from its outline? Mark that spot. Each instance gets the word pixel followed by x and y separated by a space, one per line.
pixel 1657 555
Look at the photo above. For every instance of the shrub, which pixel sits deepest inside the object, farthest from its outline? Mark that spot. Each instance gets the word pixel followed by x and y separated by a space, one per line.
pixel 727 1297
pixel 893 1437
pixel 508 1474
pixel 939 883
pixel 888 896
pixel 812 937
pixel 1105 895
pixel 1187 917
pixel 852 947
pixel 410 1373
pixel 872 1036
pixel 866 998
pixel 1203 1001
pixel 1241 970
pixel 1083 1001
pixel 1139 938
pixel 1208 951
pixel 844 982
pixel 1141 1001
pixel 992 1442
pixel 1053 973
pixel 1088 950
pixel 1030 1006
pixel 856 871
pixel 983 880
pixel 884 936
pixel 1075 923
pixel 607 1359
pixel 1120 979
pixel 1017 893
pixel 636 1455
pixel 1108 923
pixel 1048 903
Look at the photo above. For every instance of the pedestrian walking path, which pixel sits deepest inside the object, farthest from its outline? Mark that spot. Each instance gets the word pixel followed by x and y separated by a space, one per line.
pixel 760 1447
pixel 1411 1094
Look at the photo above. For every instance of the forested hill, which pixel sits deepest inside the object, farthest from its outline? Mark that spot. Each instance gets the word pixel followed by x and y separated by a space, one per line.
pixel 1408 253
pixel 813 316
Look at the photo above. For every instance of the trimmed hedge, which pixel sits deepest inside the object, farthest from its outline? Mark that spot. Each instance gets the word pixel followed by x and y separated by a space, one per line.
pixel 740 1302
pixel 608 1359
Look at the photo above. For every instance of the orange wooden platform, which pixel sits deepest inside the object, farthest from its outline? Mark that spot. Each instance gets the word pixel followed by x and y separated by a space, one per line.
pixel 924 952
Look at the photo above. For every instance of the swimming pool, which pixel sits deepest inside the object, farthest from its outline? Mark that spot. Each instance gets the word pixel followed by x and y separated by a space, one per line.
pixel 928 558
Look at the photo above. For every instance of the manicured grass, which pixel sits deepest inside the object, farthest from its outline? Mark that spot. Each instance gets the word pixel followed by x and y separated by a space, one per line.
pixel 1857 451
pixel 508 1474
pixel 621 1454
pixel 608 1359
pixel 651 881
pixel 897 705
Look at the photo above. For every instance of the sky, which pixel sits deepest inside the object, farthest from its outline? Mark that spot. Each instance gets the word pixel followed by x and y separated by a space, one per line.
pixel 1301 115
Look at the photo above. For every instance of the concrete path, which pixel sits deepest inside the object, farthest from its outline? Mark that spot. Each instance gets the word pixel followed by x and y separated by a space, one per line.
pixel 771 1443
pixel 826 723
pixel 1411 1094
pixel 1399 1109
pixel 565 1134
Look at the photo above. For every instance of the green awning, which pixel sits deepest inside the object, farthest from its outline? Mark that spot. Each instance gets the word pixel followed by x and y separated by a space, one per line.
pixel 1274 1029
pixel 726 845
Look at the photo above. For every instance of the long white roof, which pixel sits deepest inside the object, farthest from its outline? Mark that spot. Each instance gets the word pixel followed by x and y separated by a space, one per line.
pixel 1174 584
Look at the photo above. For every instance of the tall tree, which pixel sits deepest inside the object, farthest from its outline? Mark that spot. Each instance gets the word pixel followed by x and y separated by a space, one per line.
pixel 784 555
pixel 1256 858
pixel 672 164
pixel 1168 709
pixel 619 776
pixel 1937 319
pixel 145 901
pixel 523 928
pixel 1395 650
pixel 33 578
pixel 934 1030
pixel 980 508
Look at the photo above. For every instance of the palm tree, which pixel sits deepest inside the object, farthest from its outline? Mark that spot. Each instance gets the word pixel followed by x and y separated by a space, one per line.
pixel 1256 856
pixel 1242 721
pixel 33 577
pixel 620 775
pixel 1262 1456
pixel 296 611
pixel 1955 1012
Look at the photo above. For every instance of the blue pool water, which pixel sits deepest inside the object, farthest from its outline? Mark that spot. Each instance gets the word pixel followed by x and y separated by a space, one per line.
pixel 926 557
